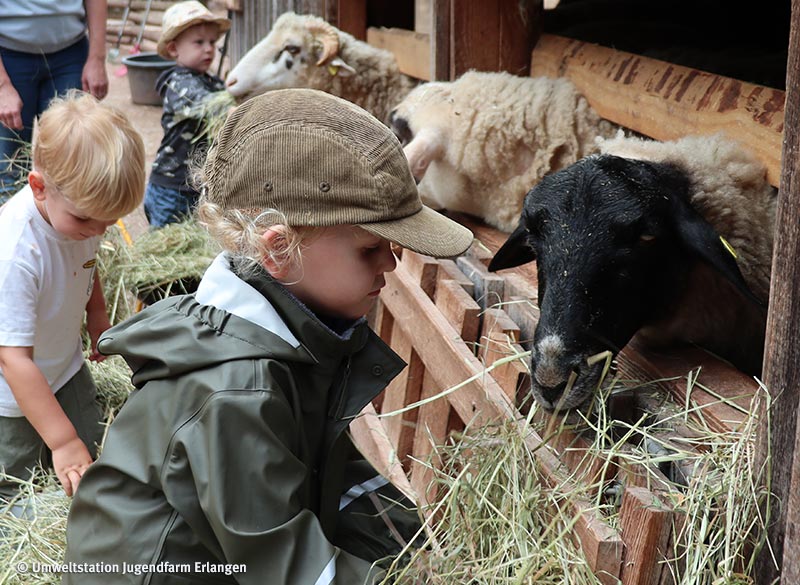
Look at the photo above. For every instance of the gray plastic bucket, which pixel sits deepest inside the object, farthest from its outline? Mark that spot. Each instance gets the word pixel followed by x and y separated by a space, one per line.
pixel 143 70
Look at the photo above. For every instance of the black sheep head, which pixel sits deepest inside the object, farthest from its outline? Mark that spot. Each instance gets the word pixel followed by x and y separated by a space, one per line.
pixel 614 240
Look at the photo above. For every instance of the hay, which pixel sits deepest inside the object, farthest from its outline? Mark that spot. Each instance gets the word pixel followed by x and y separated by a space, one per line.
pixel 501 524
pixel 33 532
pixel 169 260
pixel 497 520
pixel 213 111
pixel 112 377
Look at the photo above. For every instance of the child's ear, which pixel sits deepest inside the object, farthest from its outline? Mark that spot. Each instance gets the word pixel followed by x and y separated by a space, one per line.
pixel 172 49
pixel 274 259
pixel 36 181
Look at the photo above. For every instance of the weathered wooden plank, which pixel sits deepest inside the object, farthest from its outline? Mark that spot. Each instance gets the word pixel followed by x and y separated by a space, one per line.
pixel 782 349
pixel 404 389
pixel 351 17
pixel 448 270
pixel 423 16
pixel 431 431
pixel 727 404
pixel 492 36
pixel 460 309
pixel 369 434
pixel 488 287
pixel 667 101
pixel 440 40
pixel 411 49
pixel 424 269
pixel 646 525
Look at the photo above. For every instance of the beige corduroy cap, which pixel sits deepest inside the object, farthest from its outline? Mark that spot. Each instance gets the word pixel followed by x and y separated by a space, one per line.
pixel 324 161
pixel 178 17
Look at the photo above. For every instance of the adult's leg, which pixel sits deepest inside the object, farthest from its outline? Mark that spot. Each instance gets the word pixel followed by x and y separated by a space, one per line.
pixel 64 70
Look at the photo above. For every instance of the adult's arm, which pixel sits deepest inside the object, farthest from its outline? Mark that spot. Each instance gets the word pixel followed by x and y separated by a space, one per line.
pixel 94 77
pixel 10 102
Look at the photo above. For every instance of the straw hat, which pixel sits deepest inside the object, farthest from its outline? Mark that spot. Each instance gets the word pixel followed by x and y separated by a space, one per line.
pixel 181 16
pixel 324 161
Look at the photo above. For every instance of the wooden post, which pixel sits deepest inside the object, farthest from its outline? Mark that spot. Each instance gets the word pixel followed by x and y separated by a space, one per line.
pixel 782 349
pixel 350 16
pixel 493 36
pixel 440 40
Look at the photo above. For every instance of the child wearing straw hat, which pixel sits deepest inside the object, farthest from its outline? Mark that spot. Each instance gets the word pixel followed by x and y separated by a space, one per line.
pixel 189 33
pixel 88 171
pixel 233 452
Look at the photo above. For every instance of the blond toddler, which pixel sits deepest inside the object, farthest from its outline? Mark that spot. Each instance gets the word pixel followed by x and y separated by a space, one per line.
pixel 88 171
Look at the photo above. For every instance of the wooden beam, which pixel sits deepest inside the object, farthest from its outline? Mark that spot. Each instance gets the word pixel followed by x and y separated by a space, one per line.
pixel 782 348
pixel 411 49
pixel 666 101
pixel 351 17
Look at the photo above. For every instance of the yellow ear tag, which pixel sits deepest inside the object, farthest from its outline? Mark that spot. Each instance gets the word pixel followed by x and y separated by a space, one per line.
pixel 333 70
pixel 728 247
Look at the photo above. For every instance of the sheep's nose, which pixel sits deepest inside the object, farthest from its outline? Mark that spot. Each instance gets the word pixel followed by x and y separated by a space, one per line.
pixel 553 393
pixel 231 81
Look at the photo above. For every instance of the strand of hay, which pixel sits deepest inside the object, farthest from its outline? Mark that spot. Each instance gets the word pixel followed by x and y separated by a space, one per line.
pixel 112 377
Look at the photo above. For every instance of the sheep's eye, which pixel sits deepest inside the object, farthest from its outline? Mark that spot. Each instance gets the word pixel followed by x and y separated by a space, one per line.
pixel 628 234
pixel 646 238
pixel 292 49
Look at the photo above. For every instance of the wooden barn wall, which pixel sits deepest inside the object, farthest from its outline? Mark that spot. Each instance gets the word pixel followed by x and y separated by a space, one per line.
pixel 256 18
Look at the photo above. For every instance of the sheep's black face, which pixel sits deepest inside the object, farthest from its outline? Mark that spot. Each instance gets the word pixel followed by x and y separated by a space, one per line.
pixel 609 260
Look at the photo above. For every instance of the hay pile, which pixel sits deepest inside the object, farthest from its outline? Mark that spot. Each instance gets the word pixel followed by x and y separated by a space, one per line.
pixel 169 260
pixel 500 523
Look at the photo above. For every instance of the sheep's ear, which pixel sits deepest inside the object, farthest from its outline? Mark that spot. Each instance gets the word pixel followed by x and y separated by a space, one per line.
pixel 337 67
pixel 514 252
pixel 704 241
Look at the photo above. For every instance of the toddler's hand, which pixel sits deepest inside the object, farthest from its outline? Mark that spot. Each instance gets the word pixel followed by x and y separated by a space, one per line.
pixel 70 462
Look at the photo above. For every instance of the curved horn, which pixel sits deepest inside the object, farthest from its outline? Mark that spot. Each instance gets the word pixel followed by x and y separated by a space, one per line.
pixel 328 36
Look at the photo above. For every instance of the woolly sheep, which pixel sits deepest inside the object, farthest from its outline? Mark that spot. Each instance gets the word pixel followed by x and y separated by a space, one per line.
pixel 306 51
pixel 673 240
pixel 479 143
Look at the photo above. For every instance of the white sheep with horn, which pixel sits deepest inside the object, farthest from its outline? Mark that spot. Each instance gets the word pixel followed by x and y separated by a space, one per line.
pixel 306 51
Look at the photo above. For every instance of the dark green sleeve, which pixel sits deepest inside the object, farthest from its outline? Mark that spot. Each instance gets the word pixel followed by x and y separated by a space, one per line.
pixel 234 477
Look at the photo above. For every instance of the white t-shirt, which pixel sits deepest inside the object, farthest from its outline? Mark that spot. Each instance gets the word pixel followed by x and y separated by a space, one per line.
pixel 45 282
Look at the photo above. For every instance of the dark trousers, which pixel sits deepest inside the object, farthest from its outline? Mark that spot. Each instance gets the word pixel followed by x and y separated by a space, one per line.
pixel 38 78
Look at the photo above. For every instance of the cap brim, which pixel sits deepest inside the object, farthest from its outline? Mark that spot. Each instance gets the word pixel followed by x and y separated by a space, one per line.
pixel 426 232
